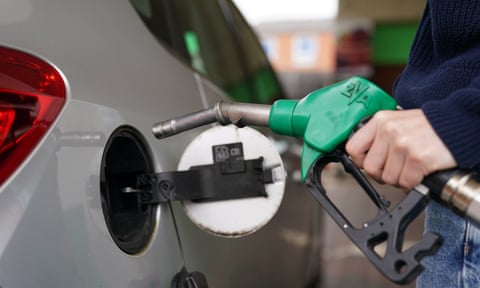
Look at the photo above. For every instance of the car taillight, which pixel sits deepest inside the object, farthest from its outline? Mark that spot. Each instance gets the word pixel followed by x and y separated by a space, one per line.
pixel 32 94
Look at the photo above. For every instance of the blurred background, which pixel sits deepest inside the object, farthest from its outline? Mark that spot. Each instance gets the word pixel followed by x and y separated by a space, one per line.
pixel 313 43
pixel 316 42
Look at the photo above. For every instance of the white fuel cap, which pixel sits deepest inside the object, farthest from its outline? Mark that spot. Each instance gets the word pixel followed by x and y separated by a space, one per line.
pixel 239 217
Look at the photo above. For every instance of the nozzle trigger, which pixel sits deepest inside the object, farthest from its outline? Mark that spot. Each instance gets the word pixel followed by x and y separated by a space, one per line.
pixel 387 227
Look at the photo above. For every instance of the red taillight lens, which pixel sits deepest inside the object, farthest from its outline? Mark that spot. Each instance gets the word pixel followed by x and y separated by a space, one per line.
pixel 32 94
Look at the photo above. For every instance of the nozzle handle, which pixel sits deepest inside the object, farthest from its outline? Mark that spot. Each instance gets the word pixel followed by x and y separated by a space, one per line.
pixel 387 227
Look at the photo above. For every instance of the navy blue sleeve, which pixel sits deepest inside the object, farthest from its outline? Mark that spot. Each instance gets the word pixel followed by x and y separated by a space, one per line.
pixel 456 119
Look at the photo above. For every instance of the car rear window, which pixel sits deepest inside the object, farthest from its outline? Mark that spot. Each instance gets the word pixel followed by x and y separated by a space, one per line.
pixel 214 39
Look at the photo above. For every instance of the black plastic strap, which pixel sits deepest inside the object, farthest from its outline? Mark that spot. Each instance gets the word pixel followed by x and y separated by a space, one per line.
pixel 223 180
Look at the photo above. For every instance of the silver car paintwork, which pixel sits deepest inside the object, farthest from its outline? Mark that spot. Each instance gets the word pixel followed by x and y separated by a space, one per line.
pixel 52 228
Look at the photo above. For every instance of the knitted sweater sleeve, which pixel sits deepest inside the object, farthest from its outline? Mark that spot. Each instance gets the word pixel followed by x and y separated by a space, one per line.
pixel 443 76
pixel 456 119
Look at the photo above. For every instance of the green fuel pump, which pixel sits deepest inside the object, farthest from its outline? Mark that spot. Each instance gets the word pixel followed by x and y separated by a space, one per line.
pixel 324 119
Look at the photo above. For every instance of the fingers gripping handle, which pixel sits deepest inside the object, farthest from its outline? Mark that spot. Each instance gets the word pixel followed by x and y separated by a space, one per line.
pixel 456 189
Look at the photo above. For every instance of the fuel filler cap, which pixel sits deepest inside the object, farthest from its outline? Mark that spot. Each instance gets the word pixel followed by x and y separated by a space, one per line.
pixel 239 217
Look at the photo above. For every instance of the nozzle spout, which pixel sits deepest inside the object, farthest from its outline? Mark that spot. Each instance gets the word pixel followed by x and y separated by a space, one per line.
pixel 240 114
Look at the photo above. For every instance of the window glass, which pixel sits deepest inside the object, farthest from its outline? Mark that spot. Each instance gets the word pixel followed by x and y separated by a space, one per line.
pixel 215 42
pixel 154 14
pixel 264 80
pixel 209 42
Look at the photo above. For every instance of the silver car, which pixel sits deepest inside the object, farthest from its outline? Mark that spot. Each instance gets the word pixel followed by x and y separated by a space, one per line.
pixel 81 84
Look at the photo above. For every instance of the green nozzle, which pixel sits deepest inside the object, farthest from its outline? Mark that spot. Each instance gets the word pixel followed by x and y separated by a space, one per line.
pixel 326 117
pixel 281 115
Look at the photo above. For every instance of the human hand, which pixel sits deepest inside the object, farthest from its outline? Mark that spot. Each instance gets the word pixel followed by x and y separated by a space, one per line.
pixel 399 148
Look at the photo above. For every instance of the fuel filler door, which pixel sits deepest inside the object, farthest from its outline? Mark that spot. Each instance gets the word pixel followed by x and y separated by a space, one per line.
pixel 230 181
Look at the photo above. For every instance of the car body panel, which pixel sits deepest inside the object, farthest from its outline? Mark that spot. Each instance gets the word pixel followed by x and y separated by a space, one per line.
pixel 51 220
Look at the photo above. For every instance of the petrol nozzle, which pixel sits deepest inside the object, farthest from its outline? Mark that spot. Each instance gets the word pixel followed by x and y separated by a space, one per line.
pixel 324 119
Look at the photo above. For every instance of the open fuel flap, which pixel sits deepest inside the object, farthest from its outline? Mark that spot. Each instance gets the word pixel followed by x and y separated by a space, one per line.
pixel 230 181
pixel 256 192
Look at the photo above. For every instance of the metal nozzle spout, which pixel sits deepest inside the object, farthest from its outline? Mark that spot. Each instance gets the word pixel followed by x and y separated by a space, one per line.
pixel 240 114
